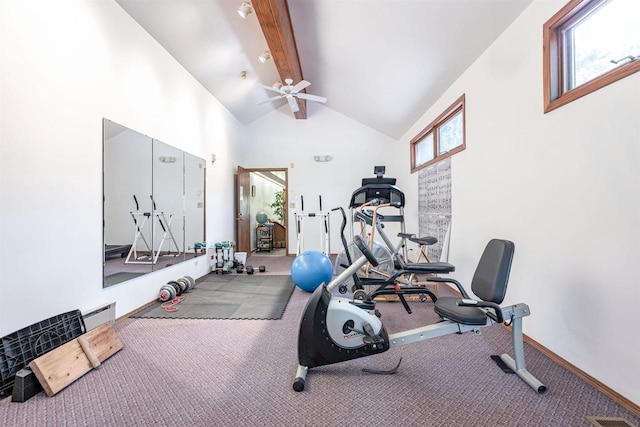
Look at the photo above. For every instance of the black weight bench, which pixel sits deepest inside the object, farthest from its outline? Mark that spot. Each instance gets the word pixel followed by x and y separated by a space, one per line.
pixel 113 250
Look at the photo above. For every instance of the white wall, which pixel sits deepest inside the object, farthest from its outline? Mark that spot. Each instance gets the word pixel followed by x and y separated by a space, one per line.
pixel 65 66
pixel 564 187
pixel 281 141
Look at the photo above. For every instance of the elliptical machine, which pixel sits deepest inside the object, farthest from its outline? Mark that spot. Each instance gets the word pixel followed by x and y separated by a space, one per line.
pixel 336 329
pixel 388 286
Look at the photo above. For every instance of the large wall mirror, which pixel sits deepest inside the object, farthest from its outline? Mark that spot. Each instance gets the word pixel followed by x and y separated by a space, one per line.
pixel 154 210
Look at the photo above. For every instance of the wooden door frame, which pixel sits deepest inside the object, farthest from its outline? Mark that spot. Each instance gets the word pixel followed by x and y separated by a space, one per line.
pixel 242 188
pixel 286 193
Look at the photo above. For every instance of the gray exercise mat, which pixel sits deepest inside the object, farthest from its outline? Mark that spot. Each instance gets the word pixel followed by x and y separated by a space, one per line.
pixel 116 278
pixel 230 297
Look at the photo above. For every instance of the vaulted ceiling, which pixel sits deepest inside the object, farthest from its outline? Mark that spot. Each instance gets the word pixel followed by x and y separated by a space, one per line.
pixel 382 63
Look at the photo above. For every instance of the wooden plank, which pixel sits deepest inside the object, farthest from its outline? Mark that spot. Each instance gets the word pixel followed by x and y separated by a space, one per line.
pixel 60 367
pixel 104 341
pixel 86 347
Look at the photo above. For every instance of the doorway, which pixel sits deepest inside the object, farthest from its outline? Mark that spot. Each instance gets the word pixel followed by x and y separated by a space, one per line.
pixel 261 211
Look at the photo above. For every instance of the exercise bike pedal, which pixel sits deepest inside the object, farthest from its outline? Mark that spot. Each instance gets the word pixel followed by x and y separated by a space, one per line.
pixel 370 337
pixel 374 341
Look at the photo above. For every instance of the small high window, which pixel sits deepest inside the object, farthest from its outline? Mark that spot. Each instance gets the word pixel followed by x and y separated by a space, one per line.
pixel 443 137
pixel 587 45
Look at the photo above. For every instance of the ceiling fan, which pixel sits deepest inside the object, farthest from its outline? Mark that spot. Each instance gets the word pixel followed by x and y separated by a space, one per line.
pixel 290 92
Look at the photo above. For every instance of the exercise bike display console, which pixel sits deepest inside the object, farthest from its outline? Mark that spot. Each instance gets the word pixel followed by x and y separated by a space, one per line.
pixel 336 329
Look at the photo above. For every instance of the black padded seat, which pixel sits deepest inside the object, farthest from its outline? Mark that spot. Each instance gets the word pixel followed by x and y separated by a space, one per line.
pixel 424 241
pixel 428 267
pixel 489 284
pixel 448 308
pixel 111 250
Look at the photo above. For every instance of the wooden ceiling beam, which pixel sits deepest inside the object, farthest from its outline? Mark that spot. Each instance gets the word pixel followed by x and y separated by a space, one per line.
pixel 274 19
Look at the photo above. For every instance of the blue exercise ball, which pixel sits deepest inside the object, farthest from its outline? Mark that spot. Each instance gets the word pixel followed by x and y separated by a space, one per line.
pixel 310 269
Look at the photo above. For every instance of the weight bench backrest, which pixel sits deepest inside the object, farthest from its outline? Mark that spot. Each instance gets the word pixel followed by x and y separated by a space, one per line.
pixel 490 280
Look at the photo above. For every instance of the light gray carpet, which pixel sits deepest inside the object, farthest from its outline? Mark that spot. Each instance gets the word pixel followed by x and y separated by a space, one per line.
pixel 230 297
pixel 203 373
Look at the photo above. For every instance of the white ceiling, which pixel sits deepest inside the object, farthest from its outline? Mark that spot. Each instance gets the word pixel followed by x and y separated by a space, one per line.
pixel 382 63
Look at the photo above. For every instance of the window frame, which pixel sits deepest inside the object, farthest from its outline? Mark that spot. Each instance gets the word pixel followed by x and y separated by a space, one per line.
pixel 554 71
pixel 433 127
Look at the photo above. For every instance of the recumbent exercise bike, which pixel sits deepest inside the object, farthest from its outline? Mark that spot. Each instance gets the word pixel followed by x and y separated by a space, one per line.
pixel 336 329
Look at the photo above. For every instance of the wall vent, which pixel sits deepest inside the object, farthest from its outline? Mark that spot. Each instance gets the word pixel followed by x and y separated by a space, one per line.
pixel 99 315
pixel 609 422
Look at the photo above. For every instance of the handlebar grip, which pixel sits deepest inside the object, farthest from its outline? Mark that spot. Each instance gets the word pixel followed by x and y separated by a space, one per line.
pixel 359 241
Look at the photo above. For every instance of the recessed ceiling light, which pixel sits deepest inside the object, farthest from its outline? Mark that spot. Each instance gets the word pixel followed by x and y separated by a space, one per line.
pixel 265 56
pixel 245 9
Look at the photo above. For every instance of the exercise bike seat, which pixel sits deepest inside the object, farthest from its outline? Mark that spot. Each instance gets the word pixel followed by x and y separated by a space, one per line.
pixel 448 308
pixel 424 241
pixel 422 267
pixel 428 267
pixel 489 284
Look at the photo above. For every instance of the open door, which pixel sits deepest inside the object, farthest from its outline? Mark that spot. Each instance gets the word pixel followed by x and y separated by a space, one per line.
pixel 254 188
pixel 243 216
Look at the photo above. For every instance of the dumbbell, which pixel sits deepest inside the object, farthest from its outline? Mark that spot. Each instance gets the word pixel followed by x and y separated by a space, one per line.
pixel 192 282
pixel 184 284
pixel 227 268
pixel 249 269
pixel 178 286
pixel 167 292
pixel 262 269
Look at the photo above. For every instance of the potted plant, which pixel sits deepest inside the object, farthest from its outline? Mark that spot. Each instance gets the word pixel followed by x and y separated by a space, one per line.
pixel 278 206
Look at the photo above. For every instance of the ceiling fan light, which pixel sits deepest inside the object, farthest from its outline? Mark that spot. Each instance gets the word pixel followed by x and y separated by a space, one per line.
pixel 265 56
pixel 277 86
pixel 245 9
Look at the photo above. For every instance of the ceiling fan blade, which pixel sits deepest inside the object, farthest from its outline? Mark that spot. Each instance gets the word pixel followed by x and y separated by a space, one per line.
pixel 293 104
pixel 300 85
pixel 272 89
pixel 310 97
pixel 273 98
